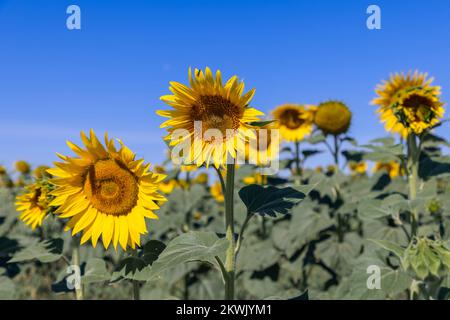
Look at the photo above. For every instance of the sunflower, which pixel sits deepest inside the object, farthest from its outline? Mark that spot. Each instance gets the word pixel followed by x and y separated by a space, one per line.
pixel 394 169
pixel 256 178
pixel 105 192
pixel 264 148
pixel 34 204
pixel 333 117
pixel 167 185
pixel 20 182
pixel 358 167
pixel 22 166
pixel 388 94
pixel 202 178
pixel 216 192
pixel 41 172
pixel 188 168
pixel 418 109
pixel 215 106
pixel 3 171
pixel 294 121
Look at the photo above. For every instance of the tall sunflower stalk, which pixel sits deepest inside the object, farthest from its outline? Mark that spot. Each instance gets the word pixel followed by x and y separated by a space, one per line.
pixel 230 260
pixel 410 106
pixel 79 290
pixel 413 155
pixel 219 107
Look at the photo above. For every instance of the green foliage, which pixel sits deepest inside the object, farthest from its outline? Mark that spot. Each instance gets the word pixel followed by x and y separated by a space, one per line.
pixel 308 240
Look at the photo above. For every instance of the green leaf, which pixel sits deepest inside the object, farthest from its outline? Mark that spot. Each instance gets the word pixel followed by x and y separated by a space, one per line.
pixel 188 247
pixel 44 251
pixel 261 123
pixel 317 138
pixel 139 267
pixel 376 209
pixel 390 246
pixel 95 271
pixel 7 289
pixel 269 200
pixel 151 250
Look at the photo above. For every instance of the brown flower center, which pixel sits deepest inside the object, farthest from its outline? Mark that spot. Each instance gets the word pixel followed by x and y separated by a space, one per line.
pixel 111 187
pixel 291 119
pixel 217 112
pixel 421 105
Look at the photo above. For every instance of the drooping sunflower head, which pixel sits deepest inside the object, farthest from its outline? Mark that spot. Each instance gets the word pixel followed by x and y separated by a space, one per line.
pixel 105 192
pixel 358 167
pixel 213 117
pixel 333 117
pixel 3 171
pixel 22 166
pixel 216 192
pixel 34 204
pixel 41 172
pixel 418 109
pixel 394 169
pixel 294 121
pixel 389 92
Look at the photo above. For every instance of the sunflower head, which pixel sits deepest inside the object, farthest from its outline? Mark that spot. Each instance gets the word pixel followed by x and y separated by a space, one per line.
pixel 216 192
pixel 209 106
pixel 265 147
pixel 256 178
pixel 389 92
pixel 41 172
pixel 34 204
pixel 294 121
pixel 358 167
pixel 20 182
pixel 188 168
pixel 202 178
pixel 417 109
pixel 3 171
pixel 105 192
pixel 22 166
pixel 394 169
pixel 333 117
pixel 197 216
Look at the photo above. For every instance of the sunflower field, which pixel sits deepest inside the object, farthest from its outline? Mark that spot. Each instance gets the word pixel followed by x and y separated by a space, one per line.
pixel 374 223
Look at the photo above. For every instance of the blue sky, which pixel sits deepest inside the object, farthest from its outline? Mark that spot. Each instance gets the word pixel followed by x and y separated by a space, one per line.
pixel 110 74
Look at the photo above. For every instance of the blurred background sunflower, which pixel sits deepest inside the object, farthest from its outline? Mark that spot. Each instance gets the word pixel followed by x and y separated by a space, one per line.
pixel 294 121
pixel 33 204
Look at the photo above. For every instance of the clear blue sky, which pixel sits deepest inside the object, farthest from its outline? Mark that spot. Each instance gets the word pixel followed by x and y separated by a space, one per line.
pixel 110 75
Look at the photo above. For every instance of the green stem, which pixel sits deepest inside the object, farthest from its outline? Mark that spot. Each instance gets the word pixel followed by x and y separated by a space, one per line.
pixel 297 162
pixel 413 157
pixel 229 225
pixel 76 261
pixel 336 151
pixel 136 288
pixel 241 233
